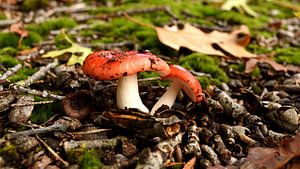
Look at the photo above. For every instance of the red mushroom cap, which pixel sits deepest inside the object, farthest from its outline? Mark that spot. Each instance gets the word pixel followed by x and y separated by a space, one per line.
pixel 108 65
pixel 191 85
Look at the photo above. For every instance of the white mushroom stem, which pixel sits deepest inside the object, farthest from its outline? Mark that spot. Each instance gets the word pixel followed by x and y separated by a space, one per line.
pixel 169 97
pixel 128 94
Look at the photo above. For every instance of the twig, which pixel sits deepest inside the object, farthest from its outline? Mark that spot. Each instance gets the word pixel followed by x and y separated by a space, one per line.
pixel 199 74
pixel 156 158
pixel 121 13
pixel 56 156
pixel 11 71
pixel 288 88
pixel 31 103
pixel 48 129
pixel 45 94
pixel 38 75
pixel 137 21
pixel 109 45
pixel 8 22
pixel 89 132
pixel 89 144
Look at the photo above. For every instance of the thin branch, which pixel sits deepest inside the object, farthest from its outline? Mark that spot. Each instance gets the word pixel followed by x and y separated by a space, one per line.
pixel 31 103
pixel 57 157
pixel 45 94
pixel 48 129
pixel 11 71
pixel 38 75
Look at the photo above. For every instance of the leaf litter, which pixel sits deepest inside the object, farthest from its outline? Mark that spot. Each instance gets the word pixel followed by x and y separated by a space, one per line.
pixel 221 130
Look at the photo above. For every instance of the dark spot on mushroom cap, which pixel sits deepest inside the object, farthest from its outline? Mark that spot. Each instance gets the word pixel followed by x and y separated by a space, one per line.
pixel 125 74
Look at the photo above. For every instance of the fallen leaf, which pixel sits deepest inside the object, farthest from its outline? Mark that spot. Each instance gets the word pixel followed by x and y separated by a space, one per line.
pixel 20 30
pixel 194 39
pixel 190 164
pixel 79 53
pixel 297 14
pixel 240 5
pixel 273 158
pixel 251 64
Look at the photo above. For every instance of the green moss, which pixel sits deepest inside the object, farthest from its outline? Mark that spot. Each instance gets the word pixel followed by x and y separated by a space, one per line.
pixel 2 15
pixel 52 24
pixel 89 160
pixel 206 64
pixel 8 40
pixel 205 81
pixel 42 113
pixel 237 67
pixel 32 39
pixel 22 74
pixel 10 150
pixel 8 61
pixel 289 55
pixel 256 72
pixel 12 39
pixel 254 48
pixel 28 5
pixel 8 51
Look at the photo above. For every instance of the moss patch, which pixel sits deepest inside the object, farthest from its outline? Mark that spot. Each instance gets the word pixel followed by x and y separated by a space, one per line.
pixel 41 113
pixel 290 55
pixel 52 24
pixel 28 5
pixel 89 160
pixel 22 74
pixel 206 64
pixel 8 61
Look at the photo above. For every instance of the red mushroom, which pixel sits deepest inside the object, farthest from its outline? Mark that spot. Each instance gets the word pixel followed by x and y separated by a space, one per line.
pixel 182 79
pixel 108 65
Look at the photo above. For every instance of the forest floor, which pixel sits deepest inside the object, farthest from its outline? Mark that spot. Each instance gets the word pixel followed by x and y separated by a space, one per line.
pixel 246 56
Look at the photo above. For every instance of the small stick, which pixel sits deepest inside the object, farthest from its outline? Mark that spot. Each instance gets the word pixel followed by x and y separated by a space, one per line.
pixel 38 75
pixel 31 103
pixel 8 22
pixel 121 13
pixel 48 129
pixel 89 144
pixel 109 45
pixel 89 132
pixel 56 156
pixel 288 88
pixel 44 93
pixel 11 71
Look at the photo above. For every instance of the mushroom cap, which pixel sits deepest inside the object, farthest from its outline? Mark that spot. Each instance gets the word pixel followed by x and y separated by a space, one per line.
pixel 108 65
pixel 190 85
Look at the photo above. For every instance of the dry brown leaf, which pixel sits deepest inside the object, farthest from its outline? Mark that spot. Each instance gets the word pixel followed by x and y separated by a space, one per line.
pixel 193 38
pixel 251 63
pixel 270 158
pixel 190 164
pixel 19 29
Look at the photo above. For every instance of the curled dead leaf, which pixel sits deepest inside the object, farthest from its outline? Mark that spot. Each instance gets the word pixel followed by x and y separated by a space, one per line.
pixel 213 43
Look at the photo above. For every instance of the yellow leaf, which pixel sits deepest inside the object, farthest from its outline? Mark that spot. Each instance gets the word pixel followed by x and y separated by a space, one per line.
pixel 297 14
pixel 79 53
pixel 241 5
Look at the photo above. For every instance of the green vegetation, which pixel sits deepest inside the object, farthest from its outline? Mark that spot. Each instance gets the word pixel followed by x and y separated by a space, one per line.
pixel 22 74
pixel 8 40
pixel 205 64
pixel 28 5
pixel 52 24
pixel 290 55
pixel 89 160
pixel 2 15
pixel 8 60
pixel 42 113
